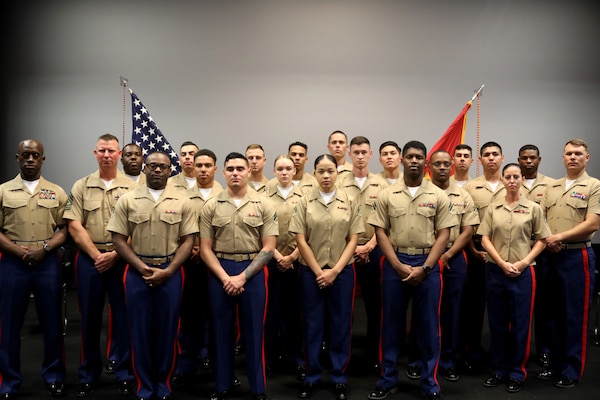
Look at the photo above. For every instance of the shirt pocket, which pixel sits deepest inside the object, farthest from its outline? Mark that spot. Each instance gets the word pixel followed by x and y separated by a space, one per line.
pixel 171 218
pixel 426 221
pixel 17 211
pixel 397 218
pixel 92 210
pixel 138 218
pixel 577 210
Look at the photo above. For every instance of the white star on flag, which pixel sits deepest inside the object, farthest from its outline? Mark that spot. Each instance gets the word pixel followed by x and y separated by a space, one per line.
pixel 148 136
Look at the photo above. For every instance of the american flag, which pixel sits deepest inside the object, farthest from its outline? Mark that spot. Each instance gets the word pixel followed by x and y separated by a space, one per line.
pixel 148 136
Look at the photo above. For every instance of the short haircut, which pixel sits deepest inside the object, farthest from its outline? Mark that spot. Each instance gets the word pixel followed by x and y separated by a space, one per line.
pixel 390 143
pixel 298 144
pixel 530 147
pixel 206 152
pixel 327 156
pixel 233 155
pixel 188 143
pixel 255 146
pixel 414 144
pixel 439 151
pixel 159 152
pixel 463 146
pixel 108 137
pixel 336 132
pixel 358 140
pixel 489 144
pixel 577 142
pixel 131 144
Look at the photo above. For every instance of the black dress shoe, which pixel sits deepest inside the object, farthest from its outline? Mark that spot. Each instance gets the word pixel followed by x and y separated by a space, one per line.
pixel 7 396
pixel 449 374
pixel 218 396
pixel 341 391
pixel 545 374
pixel 513 385
pixel 260 396
pixel 544 360
pixel 167 397
pixel 126 386
pixel 85 389
pixel 564 382
pixel 493 381
pixel 236 382
pixel 433 395
pixel 57 389
pixel 380 393
pixel 109 367
pixel 413 372
pixel 306 390
pixel 300 373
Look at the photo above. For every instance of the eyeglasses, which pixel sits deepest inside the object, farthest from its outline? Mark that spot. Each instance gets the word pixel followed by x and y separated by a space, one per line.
pixel 438 164
pixel 163 167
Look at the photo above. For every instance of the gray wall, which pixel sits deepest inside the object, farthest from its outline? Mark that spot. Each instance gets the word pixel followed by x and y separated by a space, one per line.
pixel 228 73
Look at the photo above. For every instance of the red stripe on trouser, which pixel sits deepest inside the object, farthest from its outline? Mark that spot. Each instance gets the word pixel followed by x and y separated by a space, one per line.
pixel 263 356
pixel 586 308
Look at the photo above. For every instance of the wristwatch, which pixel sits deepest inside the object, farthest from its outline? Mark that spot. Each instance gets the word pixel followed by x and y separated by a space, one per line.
pixel 427 269
pixel 47 247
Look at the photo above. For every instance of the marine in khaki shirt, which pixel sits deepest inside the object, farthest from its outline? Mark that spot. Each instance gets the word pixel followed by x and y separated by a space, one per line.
pixel 298 152
pixel 316 220
pixel 286 240
pixel 31 229
pixel 534 183
pixel 511 228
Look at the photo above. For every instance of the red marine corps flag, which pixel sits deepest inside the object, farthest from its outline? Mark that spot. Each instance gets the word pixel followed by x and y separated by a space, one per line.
pixel 455 134
pixel 148 136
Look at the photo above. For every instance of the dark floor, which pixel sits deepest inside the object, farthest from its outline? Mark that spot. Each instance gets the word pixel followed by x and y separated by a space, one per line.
pixel 284 386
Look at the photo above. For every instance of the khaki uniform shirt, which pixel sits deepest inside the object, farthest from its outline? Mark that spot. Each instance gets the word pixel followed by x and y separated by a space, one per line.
pixel 463 207
pixel 511 230
pixel 141 181
pixel 154 226
pixel 307 183
pixel 400 177
pixel 92 204
pixel 365 197
pixel 453 179
pixel 413 221
pixel 238 230
pixel 179 182
pixel 286 241
pixel 262 187
pixel 536 192
pixel 567 208
pixel 327 226
pixel 31 217
pixel 482 193
pixel 198 201
pixel 344 169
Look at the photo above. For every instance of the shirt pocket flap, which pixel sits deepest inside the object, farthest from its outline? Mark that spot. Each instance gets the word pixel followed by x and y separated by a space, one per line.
pixel 138 218
pixel 171 218
pixel 221 221
pixel 253 221
pixel 91 205
pixel 14 203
